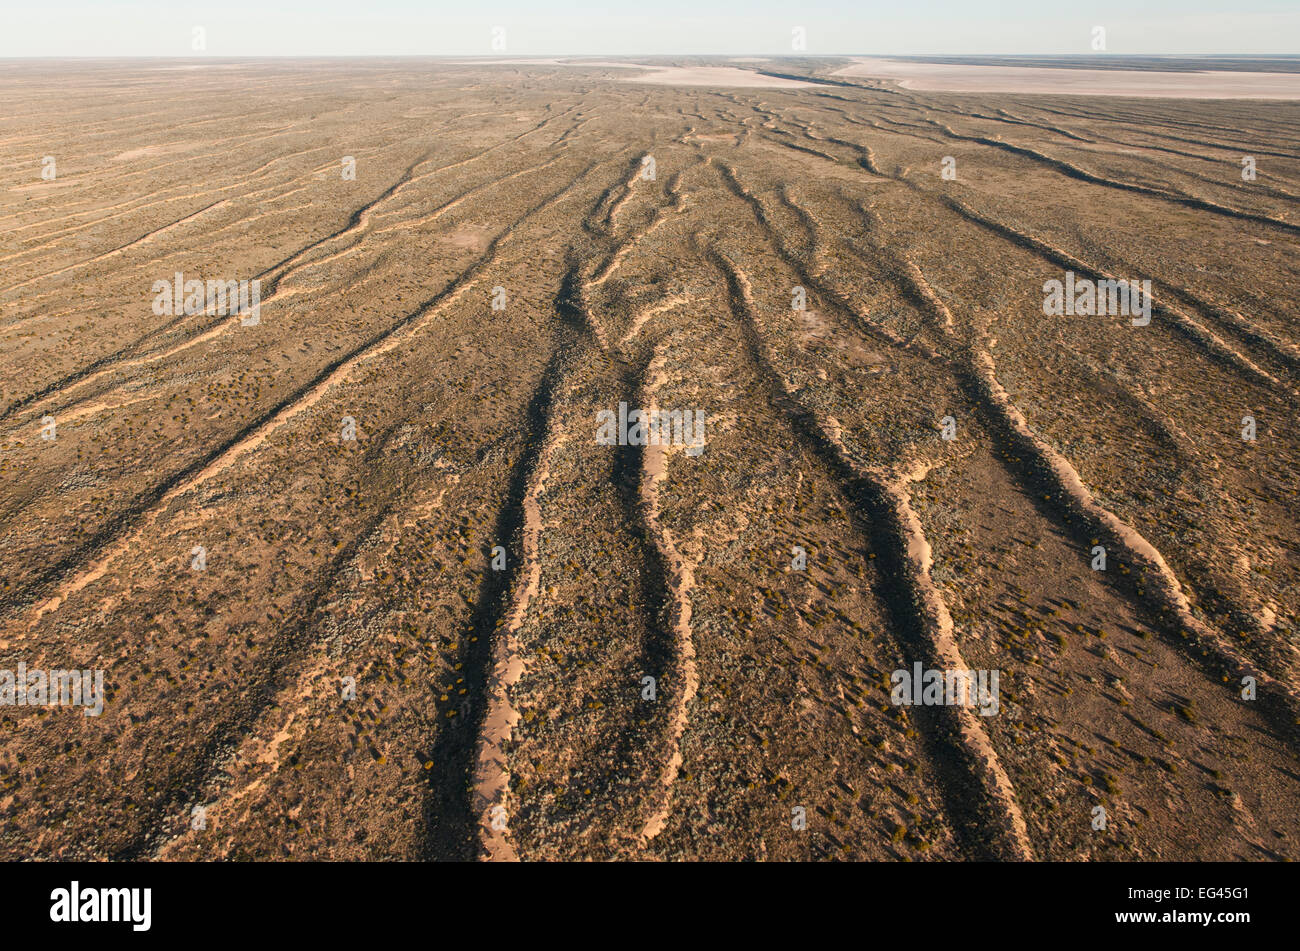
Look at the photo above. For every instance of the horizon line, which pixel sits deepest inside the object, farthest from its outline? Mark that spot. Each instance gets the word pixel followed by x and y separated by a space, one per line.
pixel 509 59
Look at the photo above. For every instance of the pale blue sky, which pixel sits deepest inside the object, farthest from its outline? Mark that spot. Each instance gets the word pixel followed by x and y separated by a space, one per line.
pixel 629 27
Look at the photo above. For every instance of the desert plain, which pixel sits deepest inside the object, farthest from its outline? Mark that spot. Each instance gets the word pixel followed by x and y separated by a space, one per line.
pixel 365 581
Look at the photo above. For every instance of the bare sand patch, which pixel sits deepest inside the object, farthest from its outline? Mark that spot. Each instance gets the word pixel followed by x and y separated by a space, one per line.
pixel 473 237
pixel 711 76
pixel 666 75
pixel 608 63
pixel 151 150
pixel 955 77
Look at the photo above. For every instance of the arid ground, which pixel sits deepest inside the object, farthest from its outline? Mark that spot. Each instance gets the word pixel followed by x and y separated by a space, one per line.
pixel 364 582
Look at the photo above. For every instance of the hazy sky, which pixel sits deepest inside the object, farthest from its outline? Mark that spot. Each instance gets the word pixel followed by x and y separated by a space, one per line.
pixel 628 27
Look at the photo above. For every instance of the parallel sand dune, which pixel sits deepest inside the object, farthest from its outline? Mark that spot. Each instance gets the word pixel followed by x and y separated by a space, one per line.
pixel 365 582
